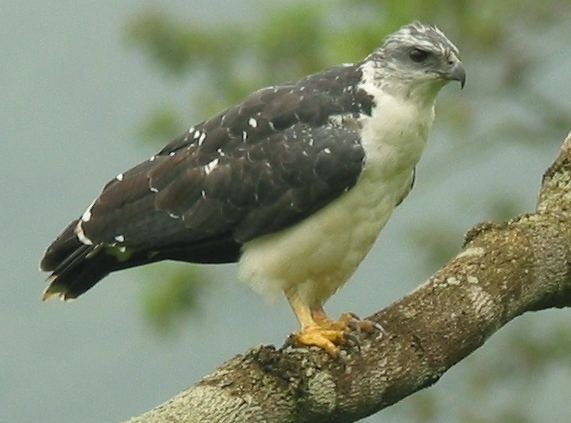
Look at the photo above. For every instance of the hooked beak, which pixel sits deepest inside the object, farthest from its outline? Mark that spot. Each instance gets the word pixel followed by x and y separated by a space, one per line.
pixel 456 73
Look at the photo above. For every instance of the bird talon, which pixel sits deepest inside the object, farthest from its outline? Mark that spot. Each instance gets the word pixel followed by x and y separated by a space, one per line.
pixel 354 339
pixel 326 339
pixel 353 326
pixel 379 328
pixel 356 327
pixel 289 342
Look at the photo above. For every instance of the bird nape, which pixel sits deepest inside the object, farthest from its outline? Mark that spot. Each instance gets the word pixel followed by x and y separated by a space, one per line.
pixel 294 183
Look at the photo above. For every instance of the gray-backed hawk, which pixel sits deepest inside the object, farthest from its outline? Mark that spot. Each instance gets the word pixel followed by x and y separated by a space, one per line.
pixel 294 183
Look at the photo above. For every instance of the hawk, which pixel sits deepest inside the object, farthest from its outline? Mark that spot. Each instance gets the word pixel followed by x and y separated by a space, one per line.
pixel 294 183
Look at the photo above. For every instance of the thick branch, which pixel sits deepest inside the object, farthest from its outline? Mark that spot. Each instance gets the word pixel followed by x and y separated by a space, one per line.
pixel 504 270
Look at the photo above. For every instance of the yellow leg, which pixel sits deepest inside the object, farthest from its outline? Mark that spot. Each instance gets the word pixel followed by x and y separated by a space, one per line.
pixel 312 332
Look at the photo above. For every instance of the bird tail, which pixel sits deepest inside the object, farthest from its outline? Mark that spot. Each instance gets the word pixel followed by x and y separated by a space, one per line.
pixel 75 267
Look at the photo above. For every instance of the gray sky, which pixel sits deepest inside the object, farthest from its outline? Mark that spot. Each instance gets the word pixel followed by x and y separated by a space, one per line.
pixel 72 96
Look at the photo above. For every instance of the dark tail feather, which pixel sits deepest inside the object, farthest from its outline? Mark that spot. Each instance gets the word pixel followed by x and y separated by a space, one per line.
pixel 79 272
pixel 75 267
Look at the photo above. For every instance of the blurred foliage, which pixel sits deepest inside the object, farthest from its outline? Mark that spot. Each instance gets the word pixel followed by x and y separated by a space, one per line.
pixel 170 295
pixel 162 121
pixel 502 44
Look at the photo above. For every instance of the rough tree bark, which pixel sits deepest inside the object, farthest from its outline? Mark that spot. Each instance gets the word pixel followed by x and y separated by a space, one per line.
pixel 505 269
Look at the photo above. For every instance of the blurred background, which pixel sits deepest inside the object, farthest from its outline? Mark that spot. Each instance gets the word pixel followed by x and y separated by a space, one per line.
pixel 91 88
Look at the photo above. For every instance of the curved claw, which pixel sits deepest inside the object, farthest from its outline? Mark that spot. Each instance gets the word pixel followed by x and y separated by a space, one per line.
pixel 355 327
pixel 364 325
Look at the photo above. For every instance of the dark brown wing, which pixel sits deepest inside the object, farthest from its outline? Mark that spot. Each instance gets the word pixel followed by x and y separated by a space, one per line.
pixel 237 195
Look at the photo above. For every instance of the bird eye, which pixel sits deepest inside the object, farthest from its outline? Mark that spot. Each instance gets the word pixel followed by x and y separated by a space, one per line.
pixel 417 55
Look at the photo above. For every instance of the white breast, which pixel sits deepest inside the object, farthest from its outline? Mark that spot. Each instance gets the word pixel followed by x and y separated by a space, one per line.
pixel 320 253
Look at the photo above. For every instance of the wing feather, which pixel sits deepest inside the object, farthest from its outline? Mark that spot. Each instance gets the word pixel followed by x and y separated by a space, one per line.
pixel 268 187
pixel 256 168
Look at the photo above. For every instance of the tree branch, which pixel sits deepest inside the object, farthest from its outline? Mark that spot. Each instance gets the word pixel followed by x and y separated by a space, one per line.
pixel 504 270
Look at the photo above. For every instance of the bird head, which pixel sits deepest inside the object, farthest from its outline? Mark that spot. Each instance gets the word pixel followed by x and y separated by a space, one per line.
pixel 416 59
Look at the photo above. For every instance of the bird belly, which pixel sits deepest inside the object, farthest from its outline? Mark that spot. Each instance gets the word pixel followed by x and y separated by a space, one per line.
pixel 317 255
